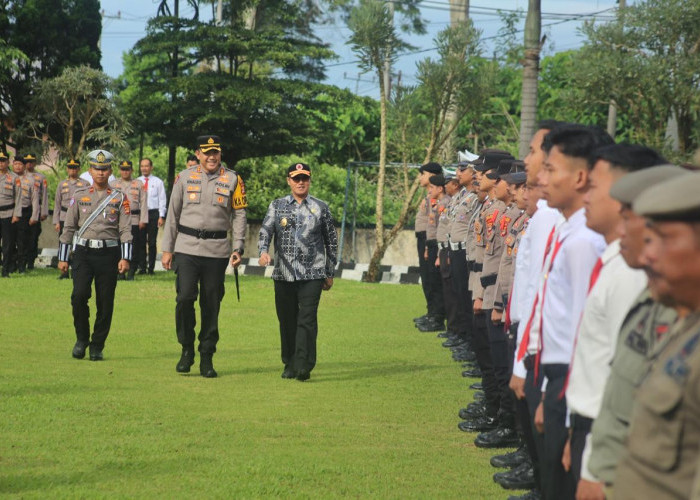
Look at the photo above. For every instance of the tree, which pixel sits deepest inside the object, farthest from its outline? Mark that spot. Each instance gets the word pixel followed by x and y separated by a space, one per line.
pixel 531 68
pixel 648 62
pixel 53 35
pixel 75 111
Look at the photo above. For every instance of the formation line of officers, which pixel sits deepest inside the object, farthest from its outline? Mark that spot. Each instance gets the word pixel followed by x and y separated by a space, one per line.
pixel 569 284
pixel 203 233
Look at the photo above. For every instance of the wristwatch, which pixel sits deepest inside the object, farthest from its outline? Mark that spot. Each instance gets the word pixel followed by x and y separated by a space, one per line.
pixel 238 250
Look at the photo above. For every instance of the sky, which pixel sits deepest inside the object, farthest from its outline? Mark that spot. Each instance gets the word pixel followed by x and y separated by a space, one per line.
pixel 124 24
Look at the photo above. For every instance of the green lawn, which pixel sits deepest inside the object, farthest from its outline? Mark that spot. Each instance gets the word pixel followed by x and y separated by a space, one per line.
pixel 377 419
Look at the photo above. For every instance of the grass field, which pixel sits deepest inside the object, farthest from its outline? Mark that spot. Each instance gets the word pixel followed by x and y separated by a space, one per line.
pixel 377 419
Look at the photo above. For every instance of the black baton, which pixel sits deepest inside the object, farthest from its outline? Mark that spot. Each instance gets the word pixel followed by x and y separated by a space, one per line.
pixel 238 290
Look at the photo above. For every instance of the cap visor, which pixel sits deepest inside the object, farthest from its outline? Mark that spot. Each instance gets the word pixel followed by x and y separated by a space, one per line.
pixel 299 172
pixel 207 148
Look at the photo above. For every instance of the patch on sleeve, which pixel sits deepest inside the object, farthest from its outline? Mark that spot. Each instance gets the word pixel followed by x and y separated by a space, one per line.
pixel 127 206
pixel 239 197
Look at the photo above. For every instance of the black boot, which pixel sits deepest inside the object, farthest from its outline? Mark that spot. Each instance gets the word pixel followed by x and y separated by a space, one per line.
pixel 186 360
pixel 206 367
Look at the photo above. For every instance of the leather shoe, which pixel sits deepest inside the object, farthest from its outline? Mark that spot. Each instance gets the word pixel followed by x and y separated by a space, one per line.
pixel 444 335
pixel 206 366
pixel 498 438
pixel 479 396
pixel 478 424
pixel 472 373
pixel 186 360
pixel 510 460
pixel 96 354
pixel 79 349
pixel 472 411
pixel 463 356
pixel 303 375
pixel 477 386
pixel 530 495
pixel 420 318
pixel 520 478
pixel 431 325
pixel 288 372
pixel 454 342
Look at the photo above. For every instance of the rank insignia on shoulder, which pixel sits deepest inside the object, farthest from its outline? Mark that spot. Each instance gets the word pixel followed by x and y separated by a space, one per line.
pixel 283 222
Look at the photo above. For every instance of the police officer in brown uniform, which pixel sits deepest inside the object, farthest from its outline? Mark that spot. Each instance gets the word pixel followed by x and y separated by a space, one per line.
pixel 98 229
pixel 29 202
pixel 41 186
pixel 139 213
pixel 206 202
pixel 663 447
pixel 10 212
pixel 64 194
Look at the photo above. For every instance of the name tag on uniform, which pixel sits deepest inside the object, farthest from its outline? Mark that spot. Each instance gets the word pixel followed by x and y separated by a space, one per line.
pixel 191 189
pixel 223 191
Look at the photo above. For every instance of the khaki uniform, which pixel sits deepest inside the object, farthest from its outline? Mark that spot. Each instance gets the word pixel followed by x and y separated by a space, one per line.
pixel 661 456
pixel 205 203
pixel 29 199
pixel 113 224
pixel 642 335
pixel 422 216
pixel 10 192
pixel 510 224
pixel 444 210
pixel 64 194
pixel 473 242
pixel 489 244
pixel 137 199
pixel 42 188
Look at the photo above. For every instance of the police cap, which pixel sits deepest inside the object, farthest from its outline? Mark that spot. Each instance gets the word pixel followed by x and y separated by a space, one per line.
pixel 208 143
pixel 299 169
pixel 100 159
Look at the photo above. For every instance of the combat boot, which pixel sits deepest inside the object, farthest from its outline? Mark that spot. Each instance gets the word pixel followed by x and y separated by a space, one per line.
pixel 206 367
pixel 186 360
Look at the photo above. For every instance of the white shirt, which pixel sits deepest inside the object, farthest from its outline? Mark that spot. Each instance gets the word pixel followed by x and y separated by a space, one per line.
pixel 87 177
pixel 156 194
pixel 607 305
pixel 528 267
pixel 567 282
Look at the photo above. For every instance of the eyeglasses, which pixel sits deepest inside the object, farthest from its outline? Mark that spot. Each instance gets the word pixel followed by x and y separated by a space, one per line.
pixel 300 178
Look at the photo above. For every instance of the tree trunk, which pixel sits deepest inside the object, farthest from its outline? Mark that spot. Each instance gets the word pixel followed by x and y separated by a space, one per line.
pixel 612 107
pixel 531 69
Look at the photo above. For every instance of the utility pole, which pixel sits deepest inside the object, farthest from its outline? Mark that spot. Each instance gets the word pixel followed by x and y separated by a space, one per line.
pixel 531 69
pixel 219 12
pixel 612 107
pixel 459 13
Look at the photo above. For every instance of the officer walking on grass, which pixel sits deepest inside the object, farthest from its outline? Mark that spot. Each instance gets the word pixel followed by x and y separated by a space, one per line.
pixel 305 249
pixel 98 229
pixel 204 202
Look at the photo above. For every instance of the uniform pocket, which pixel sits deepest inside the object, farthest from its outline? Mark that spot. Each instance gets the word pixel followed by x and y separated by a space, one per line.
pixel 657 425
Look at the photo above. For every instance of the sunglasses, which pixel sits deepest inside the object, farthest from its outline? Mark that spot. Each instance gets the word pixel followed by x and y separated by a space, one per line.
pixel 300 178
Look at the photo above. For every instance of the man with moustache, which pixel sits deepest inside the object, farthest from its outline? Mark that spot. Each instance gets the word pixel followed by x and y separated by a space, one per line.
pixel 662 450
pixel 643 332
pixel 206 202
pixel 613 287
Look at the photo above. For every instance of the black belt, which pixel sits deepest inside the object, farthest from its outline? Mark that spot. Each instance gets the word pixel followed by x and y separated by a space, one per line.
pixel 64 209
pixel 478 267
pixel 7 207
pixel 470 265
pixel 488 280
pixel 202 234
pixel 135 212
pixel 529 361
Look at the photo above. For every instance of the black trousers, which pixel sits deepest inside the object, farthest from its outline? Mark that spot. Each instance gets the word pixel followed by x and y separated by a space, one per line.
pixel 580 429
pixel 102 266
pixel 449 297
pixel 482 350
pixel 60 231
pixel 196 274
pixel 136 248
pixel 23 238
pixel 8 234
pixel 502 368
pixel 297 306
pixel 460 284
pixel 33 250
pixel 436 303
pixel 422 264
pixel 148 238
pixel 556 482
pixel 533 396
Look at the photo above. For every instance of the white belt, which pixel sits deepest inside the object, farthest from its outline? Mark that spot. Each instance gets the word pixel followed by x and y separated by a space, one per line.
pixel 83 242
pixel 458 245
